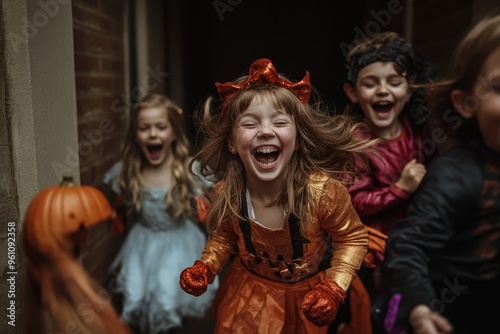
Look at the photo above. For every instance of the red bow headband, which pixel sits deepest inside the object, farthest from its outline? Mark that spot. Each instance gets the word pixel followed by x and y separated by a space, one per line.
pixel 263 71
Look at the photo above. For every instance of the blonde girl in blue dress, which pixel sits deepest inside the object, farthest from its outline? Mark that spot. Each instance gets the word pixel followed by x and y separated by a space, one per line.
pixel 158 187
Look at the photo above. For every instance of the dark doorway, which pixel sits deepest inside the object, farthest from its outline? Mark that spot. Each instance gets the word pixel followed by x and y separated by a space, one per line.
pixel 221 38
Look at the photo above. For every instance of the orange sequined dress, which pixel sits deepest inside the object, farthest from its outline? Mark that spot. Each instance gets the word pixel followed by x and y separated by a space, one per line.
pixel 263 289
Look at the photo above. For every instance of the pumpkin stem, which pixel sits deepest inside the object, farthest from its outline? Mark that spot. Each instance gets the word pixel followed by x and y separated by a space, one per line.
pixel 67 180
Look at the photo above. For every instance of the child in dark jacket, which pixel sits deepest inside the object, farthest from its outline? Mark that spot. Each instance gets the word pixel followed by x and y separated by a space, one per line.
pixel 444 259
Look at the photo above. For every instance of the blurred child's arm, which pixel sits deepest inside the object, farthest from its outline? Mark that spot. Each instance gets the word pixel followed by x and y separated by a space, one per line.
pixel 446 199
pixel 368 199
pixel 425 321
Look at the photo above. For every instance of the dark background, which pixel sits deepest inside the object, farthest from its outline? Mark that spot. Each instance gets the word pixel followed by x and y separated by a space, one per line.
pixel 220 39
pixel 297 36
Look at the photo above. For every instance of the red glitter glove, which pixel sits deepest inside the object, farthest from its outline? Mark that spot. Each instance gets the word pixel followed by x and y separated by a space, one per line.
pixel 195 280
pixel 320 305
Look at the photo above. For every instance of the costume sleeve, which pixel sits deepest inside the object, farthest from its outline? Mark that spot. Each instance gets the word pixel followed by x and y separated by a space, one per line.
pixel 349 237
pixel 447 196
pixel 219 246
pixel 369 199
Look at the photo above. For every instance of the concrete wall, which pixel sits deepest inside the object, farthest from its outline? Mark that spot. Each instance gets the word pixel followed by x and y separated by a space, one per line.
pixel 53 90
pixel 38 120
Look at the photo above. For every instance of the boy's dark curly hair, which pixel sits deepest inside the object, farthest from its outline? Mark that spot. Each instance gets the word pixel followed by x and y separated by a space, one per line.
pixel 390 47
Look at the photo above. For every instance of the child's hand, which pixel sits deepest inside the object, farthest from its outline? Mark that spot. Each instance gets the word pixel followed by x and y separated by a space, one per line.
pixel 425 321
pixel 413 172
pixel 320 305
pixel 195 280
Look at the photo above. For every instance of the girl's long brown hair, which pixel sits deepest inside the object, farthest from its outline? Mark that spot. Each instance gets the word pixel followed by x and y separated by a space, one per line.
pixel 179 195
pixel 328 145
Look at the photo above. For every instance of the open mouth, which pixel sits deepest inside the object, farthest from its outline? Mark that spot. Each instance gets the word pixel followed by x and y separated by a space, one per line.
pixel 154 151
pixel 266 155
pixel 382 107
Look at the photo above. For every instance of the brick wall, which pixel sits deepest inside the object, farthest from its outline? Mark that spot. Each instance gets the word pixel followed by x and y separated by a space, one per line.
pixel 98 27
pixel 100 48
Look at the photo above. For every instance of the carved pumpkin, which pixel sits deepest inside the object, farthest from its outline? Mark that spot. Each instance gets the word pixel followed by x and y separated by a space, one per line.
pixel 60 293
pixel 58 211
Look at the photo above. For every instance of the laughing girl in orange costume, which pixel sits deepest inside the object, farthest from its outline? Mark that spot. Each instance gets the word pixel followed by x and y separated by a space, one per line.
pixel 278 160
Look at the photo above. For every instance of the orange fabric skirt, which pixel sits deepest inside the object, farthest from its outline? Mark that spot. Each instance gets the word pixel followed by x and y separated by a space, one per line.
pixel 247 303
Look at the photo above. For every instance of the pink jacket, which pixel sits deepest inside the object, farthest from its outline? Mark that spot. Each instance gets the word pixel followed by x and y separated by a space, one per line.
pixel 377 200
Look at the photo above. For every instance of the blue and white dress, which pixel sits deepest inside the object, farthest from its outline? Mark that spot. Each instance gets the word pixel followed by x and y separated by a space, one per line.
pixel 157 248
